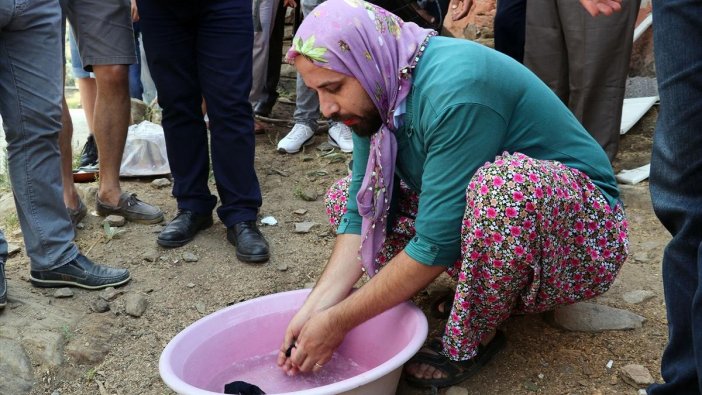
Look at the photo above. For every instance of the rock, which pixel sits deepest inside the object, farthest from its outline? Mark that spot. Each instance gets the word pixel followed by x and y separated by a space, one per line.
pixel 308 196
pixel 17 233
pixel 151 256
pixel 190 257
pixel 190 285
pixel 7 205
pixel 109 294
pixel 200 307
pixel 638 296
pixel 13 249
pixel 304 227
pixel 139 111
pixel 300 211
pixel 636 197
pixel 115 220
pixel 282 267
pixel 642 392
pixel 94 341
pixel 636 375
pixel 160 183
pixel 63 293
pixel 641 257
pixel 99 305
pixel 309 284
pixel 325 146
pixel 590 317
pixel 135 304
pixel 44 345
pixel 15 368
pixel 457 391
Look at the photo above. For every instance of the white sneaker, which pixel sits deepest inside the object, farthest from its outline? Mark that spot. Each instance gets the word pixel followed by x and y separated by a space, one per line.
pixel 299 135
pixel 340 137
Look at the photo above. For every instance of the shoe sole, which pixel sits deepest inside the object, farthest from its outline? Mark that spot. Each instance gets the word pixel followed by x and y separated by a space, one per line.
pixel 143 221
pixel 253 258
pixel 60 283
pixel 307 142
pixel 180 243
pixel 334 144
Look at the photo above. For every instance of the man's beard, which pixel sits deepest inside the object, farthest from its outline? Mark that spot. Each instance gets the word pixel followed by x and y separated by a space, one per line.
pixel 368 126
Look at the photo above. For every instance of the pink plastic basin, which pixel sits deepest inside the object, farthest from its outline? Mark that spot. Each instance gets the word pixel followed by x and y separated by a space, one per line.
pixel 240 343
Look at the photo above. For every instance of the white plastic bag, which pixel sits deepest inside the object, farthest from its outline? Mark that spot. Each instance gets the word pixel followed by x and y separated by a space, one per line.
pixel 145 151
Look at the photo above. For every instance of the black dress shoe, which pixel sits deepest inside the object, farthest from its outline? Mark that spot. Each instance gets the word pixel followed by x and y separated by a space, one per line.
pixel 249 242
pixel 183 228
pixel 263 109
pixel 3 286
pixel 80 272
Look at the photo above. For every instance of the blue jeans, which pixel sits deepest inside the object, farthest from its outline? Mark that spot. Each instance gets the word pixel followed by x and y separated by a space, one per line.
pixel 676 187
pixel 196 50
pixel 31 88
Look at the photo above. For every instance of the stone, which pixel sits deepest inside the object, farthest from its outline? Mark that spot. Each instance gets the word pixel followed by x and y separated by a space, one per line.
pixel 304 227
pixel 638 296
pixel 115 220
pixel 591 317
pixel 325 147
pixel 161 183
pixel 7 205
pixel 99 305
pixel 139 111
pixel 309 284
pixel 13 249
pixel 636 376
pixel 269 220
pixel 110 293
pixel 636 197
pixel 92 344
pixel 457 391
pixel 200 307
pixel 300 211
pixel 63 293
pixel 15 368
pixel 190 257
pixel 642 392
pixel 151 256
pixel 190 285
pixel 135 304
pixel 44 345
pixel 641 257
pixel 282 267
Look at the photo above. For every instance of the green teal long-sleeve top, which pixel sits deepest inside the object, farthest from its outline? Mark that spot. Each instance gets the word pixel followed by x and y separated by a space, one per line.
pixel 468 104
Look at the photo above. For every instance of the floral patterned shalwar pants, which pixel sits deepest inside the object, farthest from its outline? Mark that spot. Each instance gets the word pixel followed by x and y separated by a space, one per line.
pixel 535 235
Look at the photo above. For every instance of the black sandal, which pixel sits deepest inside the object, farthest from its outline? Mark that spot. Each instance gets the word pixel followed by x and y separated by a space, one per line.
pixel 455 371
pixel 443 301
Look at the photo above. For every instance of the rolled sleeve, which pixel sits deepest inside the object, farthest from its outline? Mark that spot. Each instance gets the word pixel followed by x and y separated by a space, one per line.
pixel 431 253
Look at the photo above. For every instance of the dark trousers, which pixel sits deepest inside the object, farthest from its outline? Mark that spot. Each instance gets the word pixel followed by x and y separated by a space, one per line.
pixel 584 60
pixel 676 188
pixel 199 49
pixel 510 22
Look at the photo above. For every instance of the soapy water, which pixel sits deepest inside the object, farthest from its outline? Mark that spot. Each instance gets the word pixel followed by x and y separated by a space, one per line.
pixel 264 372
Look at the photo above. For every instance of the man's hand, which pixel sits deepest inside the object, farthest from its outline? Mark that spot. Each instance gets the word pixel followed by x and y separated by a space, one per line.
pixel 135 12
pixel 459 8
pixel 596 7
pixel 315 345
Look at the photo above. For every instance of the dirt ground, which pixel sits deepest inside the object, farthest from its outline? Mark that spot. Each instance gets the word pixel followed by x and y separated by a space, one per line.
pixel 124 350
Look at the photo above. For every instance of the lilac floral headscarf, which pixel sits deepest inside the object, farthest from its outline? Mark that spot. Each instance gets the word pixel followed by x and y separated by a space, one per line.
pixel 378 49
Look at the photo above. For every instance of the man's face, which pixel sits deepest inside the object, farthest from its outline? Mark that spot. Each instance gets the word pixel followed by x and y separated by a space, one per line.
pixel 341 98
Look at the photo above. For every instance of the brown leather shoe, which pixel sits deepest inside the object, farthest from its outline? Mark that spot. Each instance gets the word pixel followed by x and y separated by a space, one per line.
pixel 132 209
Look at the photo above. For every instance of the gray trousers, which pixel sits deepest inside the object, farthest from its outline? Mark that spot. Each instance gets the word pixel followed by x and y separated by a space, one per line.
pixel 584 60
pixel 264 16
pixel 307 102
pixel 31 88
